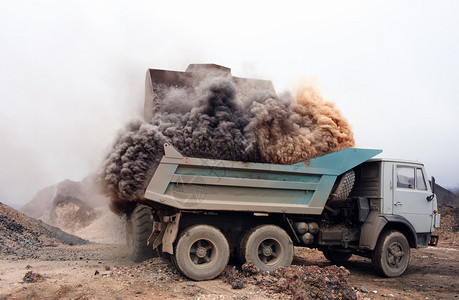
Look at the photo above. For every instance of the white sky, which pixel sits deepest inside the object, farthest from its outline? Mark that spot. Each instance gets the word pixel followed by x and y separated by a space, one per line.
pixel 72 73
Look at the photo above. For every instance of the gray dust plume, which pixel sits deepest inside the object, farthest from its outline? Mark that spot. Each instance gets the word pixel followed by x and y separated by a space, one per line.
pixel 211 121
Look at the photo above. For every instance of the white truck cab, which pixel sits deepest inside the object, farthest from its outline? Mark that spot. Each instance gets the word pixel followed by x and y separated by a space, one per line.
pixel 399 193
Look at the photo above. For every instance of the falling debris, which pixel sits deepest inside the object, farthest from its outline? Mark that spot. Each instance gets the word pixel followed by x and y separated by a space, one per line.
pixel 214 121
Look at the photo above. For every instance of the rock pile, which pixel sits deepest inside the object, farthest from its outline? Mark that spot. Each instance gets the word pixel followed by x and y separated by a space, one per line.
pixel 449 225
pixel 31 277
pixel 21 236
pixel 298 282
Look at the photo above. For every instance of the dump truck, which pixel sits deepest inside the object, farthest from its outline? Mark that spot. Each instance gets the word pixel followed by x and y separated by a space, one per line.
pixel 201 212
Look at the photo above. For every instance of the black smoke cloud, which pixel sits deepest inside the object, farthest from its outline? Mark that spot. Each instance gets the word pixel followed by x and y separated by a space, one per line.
pixel 211 121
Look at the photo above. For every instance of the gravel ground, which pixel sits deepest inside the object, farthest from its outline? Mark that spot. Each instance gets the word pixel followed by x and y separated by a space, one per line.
pixel 103 271
pixel 37 263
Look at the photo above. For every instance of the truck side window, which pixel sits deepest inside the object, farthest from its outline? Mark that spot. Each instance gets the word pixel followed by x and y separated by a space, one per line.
pixel 420 182
pixel 405 177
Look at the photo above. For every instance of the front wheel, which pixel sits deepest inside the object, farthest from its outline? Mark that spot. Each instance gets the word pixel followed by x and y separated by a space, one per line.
pixel 202 252
pixel 392 254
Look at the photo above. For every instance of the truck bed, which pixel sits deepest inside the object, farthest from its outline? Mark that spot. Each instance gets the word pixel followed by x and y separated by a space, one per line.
pixel 188 183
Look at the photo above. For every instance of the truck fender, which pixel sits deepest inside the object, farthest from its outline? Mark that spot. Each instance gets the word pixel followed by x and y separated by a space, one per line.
pixel 170 234
pixel 371 229
pixel 375 224
pixel 406 228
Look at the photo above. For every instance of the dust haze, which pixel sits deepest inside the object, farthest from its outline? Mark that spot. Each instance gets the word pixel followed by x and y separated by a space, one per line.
pixel 73 73
pixel 212 121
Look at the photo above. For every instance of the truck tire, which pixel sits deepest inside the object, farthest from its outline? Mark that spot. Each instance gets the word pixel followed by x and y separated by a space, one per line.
pixel 392 254
pixel 202 252
pixel 268 247
pixel 343 187
pixel 336 256
pixel 138 228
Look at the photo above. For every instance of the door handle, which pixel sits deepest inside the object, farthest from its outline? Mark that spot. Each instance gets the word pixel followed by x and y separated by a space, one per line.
pixel 398 204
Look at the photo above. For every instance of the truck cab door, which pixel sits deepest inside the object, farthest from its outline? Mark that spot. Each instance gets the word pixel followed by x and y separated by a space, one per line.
pixel 410 192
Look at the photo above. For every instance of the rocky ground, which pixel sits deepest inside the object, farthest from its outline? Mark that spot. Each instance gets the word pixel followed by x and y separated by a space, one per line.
pixel 53 268
pixel 21 237
pixel 449 228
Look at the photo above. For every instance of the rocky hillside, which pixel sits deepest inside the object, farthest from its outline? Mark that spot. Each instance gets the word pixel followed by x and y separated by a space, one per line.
pixel 78 208
pixel 21 236
pixel 446 197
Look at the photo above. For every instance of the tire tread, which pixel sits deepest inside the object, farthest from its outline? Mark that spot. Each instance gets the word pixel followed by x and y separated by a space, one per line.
pixel 142 227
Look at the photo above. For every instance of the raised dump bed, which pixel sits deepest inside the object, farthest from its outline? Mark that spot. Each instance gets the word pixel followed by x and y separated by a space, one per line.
pixel 206 184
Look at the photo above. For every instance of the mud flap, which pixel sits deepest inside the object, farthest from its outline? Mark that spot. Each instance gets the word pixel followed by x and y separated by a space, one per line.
pixel 164 232
pixel 157 232
pixel 170 233
pixel 157 235
pixel 433 240
pixel 370 230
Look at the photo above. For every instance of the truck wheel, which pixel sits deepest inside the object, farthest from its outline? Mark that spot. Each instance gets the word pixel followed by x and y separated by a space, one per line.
pixel 392 254
pixel 202 252
pixel 336 257
pixel 268 247
pixel 138 228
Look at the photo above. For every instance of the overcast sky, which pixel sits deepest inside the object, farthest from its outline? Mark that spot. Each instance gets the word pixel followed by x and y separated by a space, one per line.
pixel 73 72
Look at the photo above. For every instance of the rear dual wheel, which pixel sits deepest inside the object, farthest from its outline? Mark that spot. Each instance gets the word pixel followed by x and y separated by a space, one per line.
pixel 202 252
pixel 268 247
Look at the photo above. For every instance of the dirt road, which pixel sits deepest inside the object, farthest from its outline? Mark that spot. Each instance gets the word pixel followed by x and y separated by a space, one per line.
pixel 102 271
pixel 433 273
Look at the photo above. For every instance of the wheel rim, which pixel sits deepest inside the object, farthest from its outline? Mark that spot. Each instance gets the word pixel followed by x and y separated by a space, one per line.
pixel 203 253
pixel 270 251
pixel 395 255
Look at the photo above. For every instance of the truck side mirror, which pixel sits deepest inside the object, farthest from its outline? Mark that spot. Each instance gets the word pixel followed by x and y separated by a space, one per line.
pixel 432 187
